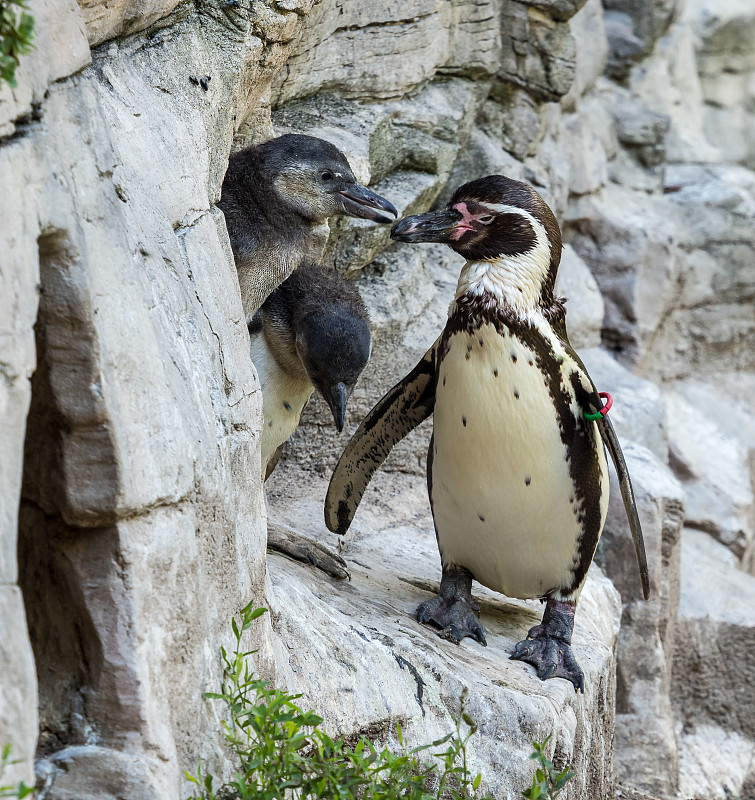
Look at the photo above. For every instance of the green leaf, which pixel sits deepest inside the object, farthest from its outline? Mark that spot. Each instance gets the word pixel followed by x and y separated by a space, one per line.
pixel 16 37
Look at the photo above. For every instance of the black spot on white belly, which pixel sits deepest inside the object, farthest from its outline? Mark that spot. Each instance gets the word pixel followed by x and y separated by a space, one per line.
pixel 481 342
pixel 481 518
pixel 516 394
pixel 513 357
pixel 464 421
pixel 527 481
pixel 495 372
pixel 286 405
pixel 531 363
pixel 444 379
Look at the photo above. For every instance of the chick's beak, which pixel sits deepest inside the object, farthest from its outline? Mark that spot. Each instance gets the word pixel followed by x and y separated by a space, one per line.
pixel 434 226
pixel 361 202
pixel 336 397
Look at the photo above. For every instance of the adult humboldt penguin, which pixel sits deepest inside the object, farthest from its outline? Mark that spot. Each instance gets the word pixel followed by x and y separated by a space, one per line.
pixel 277 197
pixel 517 474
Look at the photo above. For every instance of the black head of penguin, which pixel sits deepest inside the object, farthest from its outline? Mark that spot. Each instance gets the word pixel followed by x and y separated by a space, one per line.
pixel 321 316
pixel 304 175
pixel 488 219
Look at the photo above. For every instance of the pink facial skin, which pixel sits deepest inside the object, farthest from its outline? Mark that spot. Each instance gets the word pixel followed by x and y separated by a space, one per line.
pixel 467 218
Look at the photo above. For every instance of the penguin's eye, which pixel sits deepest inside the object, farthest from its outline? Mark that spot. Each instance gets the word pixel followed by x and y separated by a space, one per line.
pixel 326 175
pixel 486 219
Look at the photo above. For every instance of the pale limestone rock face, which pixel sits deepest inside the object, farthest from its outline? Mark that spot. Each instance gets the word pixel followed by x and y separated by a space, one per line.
pixel 584 309
pixel 106 19
pixel 714 469
pixel 538 52
pixel 19 721
pixel 588 29
pixel 644 717
pixel 668 82
pixel 372 51
pixel 726 66
pixel 708 328
pixel 588 169
pixel 628 242
pixel 649 20
pixel 61 50
pixel 715 643
pixel 141 453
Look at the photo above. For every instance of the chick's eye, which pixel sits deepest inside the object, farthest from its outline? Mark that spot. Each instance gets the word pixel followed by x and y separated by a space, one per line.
pixel 326 175
pixel 486 219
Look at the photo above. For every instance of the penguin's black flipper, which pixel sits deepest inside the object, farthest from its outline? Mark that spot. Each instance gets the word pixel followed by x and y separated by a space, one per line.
pixel 627 495
pixel 406 405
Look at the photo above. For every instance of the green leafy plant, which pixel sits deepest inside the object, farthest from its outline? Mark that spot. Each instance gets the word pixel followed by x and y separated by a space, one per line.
pixel 22 790
pixel 547 783
pixel 16 37
pixel 285 754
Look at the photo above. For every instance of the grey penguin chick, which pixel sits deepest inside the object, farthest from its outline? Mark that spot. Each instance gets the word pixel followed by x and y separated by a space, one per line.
pixel 277 197
pixel 517 474
pixel 312 332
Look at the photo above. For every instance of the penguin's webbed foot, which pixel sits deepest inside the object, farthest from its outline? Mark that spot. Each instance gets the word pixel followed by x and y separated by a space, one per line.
pixel 551 658
pixel 548 646
pixel 456 620
pixel 454 610
pixel 299 547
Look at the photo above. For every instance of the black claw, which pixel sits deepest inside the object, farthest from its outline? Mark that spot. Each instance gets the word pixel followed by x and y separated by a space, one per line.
pixel 546 671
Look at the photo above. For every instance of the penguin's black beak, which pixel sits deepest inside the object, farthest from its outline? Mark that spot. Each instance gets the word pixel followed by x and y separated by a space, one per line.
pixel 336 397
pixel 361 202
pixel 434 226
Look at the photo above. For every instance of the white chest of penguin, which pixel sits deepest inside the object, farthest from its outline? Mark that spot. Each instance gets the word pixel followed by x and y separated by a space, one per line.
pixel 283 399
pixel 503 498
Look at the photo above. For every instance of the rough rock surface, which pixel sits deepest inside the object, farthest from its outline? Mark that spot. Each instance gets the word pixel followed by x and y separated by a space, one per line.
pixel 644 716
pixel 714 660
pixel 131 506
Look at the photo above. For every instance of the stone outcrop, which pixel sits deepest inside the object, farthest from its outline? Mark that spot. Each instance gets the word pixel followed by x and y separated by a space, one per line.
pixel 131 506
pixel 714 660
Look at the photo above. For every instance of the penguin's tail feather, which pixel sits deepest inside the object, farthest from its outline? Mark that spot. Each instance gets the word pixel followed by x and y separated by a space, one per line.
pixel 406 405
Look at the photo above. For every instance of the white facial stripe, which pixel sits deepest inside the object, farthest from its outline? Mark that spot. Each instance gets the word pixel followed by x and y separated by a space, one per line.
pixel 502 208
pixel 516 281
